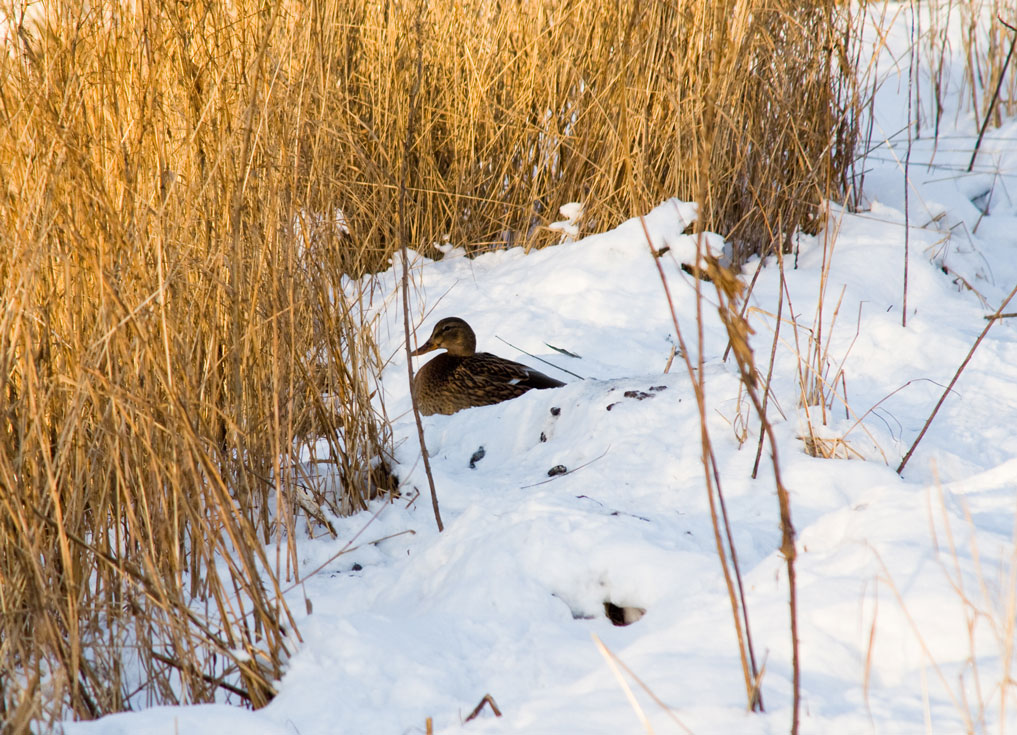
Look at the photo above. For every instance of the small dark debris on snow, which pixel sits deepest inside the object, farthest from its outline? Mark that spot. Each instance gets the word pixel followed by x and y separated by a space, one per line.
pixel 555 411
pixel 630 515
pixel 477 456
pixel 558 469
pixel 692 272
pixel 543 437
pixel 356 567
pixel 620 615
pixel 637 394
pixel 640 395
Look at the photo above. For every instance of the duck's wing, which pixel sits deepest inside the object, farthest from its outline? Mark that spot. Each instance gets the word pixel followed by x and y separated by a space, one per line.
pixel 515 377
pixel 537 379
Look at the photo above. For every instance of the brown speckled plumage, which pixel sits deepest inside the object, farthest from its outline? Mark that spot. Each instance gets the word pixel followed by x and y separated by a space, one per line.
pixel 463 378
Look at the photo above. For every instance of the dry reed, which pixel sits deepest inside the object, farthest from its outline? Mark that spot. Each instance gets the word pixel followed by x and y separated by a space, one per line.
pixel 172 320
pixel 963 45
pixel 524 106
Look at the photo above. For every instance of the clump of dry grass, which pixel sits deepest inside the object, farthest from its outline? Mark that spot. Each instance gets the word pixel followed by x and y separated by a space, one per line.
pixel 525 106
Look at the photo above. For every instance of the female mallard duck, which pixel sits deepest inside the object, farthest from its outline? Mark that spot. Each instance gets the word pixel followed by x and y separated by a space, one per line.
pixel 463 378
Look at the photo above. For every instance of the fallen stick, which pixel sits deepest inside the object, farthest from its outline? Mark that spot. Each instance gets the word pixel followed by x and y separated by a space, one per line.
pixel 488 699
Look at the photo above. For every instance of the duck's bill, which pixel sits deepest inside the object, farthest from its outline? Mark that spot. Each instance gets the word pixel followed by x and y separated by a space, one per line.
pixel 426 347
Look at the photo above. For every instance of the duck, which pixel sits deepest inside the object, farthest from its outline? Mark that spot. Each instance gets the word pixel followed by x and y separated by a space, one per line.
pixel 464 378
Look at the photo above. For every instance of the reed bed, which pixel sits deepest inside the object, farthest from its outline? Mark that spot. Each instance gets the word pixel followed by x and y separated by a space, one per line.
pixel 173 333
pixel 525 106
pixel 190 196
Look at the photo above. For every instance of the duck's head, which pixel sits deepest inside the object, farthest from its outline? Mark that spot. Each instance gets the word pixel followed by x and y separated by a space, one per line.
pixel 452 334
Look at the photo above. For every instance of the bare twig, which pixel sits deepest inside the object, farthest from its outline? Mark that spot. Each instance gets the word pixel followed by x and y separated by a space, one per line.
pixel 349 549
pixel 912 53
pixel 995 93
pixel 570 472
pixel 193 671
pixel 546 362
pixel 773 356
pixel 727 289
pixel 613 660
pixel 713 482
pixel 404 236
pixel 488 700
pixel 956 376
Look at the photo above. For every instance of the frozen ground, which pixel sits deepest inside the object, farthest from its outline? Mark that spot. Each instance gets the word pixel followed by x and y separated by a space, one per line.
pixel 906 584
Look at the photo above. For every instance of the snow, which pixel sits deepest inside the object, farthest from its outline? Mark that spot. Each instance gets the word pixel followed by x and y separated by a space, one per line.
pixel 569 227
pixel 906 584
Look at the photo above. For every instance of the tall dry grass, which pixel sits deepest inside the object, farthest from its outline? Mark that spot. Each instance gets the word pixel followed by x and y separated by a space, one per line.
pixel 527 105
pixel 186 190
pixel 173 332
